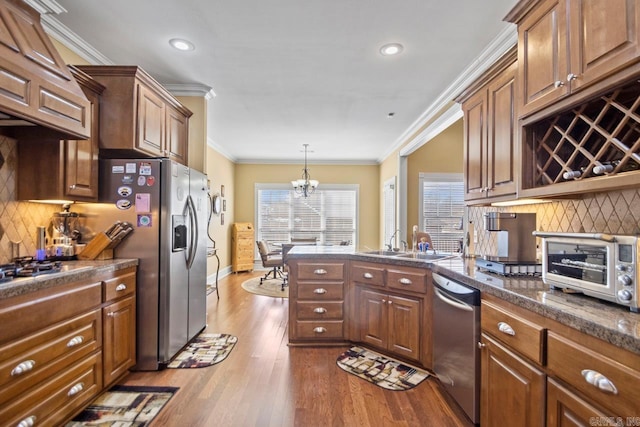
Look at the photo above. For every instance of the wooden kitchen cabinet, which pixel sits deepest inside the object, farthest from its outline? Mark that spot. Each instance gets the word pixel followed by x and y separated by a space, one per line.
pixel 139 117
pixel 119 320
pixel 565 408
pixel 60 348
pixel 242 246
pixel 317 302
pixel 490 166
pixel 565 46
pixel 63 170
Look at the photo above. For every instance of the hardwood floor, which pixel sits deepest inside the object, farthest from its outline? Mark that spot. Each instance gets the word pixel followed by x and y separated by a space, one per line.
pixel 264 382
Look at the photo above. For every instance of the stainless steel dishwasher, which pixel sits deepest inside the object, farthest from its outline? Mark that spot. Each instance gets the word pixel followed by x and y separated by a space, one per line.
pixel 456 332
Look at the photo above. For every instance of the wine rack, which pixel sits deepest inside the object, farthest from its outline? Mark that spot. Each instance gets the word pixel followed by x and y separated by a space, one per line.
pixel 598 138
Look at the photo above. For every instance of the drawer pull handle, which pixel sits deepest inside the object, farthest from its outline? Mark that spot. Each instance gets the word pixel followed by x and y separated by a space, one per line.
pixel 320 310
pixel 27 422
pixel 320 272
pixel 598 380
pixel 319 330
pixel 78 339
pixel 75 389
pixel 320 291
pixel 367 276
pixel 23 367
pixel 121 287
pixel 406 281
pixel 505 328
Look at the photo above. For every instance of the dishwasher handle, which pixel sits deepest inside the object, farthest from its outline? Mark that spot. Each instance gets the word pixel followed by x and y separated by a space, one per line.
pixel 452 302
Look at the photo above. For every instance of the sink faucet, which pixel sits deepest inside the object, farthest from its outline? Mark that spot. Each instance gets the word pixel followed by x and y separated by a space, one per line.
pixel 404 245
pixel 390 245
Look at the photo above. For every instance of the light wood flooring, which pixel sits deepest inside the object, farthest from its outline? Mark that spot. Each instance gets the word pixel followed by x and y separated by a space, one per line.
pixel 264 382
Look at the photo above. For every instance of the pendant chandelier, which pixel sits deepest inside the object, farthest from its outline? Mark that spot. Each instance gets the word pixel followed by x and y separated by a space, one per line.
pixel 305 186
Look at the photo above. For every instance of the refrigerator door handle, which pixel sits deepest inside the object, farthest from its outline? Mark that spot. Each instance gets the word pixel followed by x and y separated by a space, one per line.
pixel 193 222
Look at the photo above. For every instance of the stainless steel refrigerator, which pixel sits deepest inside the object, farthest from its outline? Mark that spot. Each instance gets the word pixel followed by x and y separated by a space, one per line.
pixel 167 204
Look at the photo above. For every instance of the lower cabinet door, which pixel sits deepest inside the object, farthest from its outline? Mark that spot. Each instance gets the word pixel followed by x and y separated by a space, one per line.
pixel 512 390
pixel 404 327
pixel 372 318
pixel 566 409
pixel 119 338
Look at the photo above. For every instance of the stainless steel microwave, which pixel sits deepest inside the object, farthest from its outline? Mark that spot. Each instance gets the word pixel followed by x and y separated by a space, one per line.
pixel 600 265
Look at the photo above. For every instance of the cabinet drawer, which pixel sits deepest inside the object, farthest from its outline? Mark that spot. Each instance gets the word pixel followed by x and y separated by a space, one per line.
pixel 582 367
pixel 52 401
pixel 408 280
pixel 34 358
pixel 520 334
pixel 320 271
pixel 31 312
pixel 320 291
pixel 320 330
pixel 310 310
pixel 367 273
pixel 119 287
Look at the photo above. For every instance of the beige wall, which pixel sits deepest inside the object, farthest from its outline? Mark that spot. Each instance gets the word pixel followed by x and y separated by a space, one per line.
pixel 220 171
pixel 443 154
pixel 366 176
pixel 67 54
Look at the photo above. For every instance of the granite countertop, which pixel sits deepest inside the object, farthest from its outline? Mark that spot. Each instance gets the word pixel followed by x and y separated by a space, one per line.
pixel 71 271
pixel 609 322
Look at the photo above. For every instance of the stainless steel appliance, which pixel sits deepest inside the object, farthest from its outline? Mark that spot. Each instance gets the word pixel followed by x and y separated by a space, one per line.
pixel 599 265
pixel 167 205
pixel 456 333
pixel 516 246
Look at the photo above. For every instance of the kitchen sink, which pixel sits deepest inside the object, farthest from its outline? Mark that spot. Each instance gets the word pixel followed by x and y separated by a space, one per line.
pixel 384 252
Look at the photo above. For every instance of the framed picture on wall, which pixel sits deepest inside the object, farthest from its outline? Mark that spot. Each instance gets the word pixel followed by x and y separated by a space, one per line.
pixel 224 205
pixel 221 219
pixel 222 191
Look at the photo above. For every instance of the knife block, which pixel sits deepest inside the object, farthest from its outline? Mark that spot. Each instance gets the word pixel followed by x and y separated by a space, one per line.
pixel 97 248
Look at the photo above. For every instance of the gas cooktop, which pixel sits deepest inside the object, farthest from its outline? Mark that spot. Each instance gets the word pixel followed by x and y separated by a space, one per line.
pixel 28 267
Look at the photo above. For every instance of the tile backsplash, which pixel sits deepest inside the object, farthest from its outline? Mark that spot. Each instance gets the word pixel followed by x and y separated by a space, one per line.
pixel 18 220
pixel 611 212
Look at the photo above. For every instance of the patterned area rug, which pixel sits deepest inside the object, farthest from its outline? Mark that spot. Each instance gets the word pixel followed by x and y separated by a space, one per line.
pixel 270 287
pixel 380 370
pixel 204 350
pixel 125 406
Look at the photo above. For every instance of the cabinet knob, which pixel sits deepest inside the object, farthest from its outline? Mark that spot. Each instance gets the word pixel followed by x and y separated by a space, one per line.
pixel 75 389
pixel 384 301
pixel 23 367
pixel 72 187
pixel 320 291
pixel 367 276
pixel 111 314
pixel 481 345
pixel 558 83
pixel 121 287
pixel 27 422
pixel 405 281
pixel 319 330
pixel 319 310
pixel 77 340
pixel 320 272
pixel 571 77
pixel 389 302
pixel 599 381
pixel 505 328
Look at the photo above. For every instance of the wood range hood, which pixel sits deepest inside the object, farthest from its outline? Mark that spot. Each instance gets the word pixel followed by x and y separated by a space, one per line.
pixel 39 98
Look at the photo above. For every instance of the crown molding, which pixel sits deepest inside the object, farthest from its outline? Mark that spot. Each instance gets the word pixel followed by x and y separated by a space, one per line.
pixel 317 162
pixel 446 119
pixel 46 6
pixel 64 35
pixel 504 41
pixel 224 153
pixel 191 89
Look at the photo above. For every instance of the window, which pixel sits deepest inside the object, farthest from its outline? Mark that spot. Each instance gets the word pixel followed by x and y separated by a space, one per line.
pixel 389 197
pixel 328 215
pixel 442 214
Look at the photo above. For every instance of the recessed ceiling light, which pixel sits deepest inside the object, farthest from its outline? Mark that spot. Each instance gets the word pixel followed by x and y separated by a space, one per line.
pixel 391 49
pixel 182 44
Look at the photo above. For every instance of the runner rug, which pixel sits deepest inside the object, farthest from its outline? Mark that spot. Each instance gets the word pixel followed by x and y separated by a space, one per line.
pixel 269 287
pixel 125 406
pixel 381 370
pixel 204 350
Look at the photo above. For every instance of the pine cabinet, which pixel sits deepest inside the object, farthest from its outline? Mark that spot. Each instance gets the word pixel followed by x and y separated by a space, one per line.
pixel 564 46
pixel 68 169
pixel 242 246
pixel 139 117
pixel 490 166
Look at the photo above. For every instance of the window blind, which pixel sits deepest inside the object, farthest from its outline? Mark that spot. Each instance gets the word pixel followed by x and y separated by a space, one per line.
pixel 442 213
pixel 389 197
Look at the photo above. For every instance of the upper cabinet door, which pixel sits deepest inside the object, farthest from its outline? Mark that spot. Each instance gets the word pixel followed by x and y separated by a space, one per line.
pixel 177 135
pixel 475 145
pixel 603 38
pixel 151 122
pixel 542 56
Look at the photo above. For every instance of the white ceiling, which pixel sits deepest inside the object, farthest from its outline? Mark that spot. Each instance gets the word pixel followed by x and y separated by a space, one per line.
pixel 293 72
